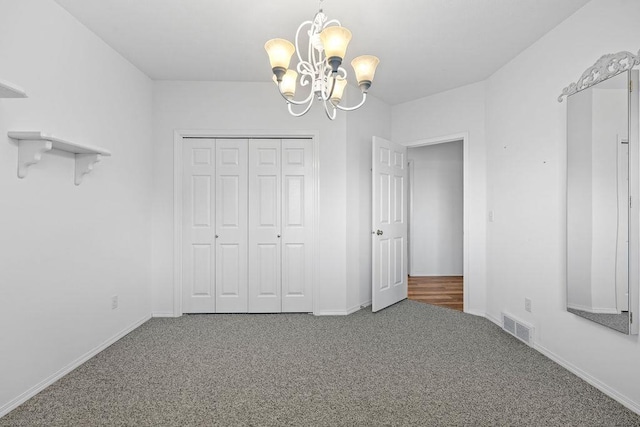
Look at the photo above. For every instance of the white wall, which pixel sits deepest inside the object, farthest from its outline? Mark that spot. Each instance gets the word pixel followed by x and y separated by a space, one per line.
pixel 526 181
pixel 65 250
pixel 373 119
pixel 452 112
pixel 248 106
pixel 435 229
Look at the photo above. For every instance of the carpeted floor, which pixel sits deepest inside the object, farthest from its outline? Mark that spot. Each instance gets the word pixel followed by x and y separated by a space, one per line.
pixel 411 364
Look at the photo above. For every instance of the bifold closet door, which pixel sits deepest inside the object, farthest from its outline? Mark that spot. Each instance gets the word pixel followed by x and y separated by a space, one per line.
pixel 231 225
pixel 198 219
pixel 264 226
pixel 280 225
pixel 297 228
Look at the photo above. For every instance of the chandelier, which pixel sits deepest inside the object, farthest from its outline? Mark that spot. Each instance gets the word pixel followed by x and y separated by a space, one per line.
pixel 321 70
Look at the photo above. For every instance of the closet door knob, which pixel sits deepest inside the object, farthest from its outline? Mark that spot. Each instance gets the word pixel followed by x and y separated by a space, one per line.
pixel 278 236
pixel 216 236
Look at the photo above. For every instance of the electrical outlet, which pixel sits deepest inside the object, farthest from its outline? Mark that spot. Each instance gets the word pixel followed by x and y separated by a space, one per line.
pixel 527 304
pixel 114 302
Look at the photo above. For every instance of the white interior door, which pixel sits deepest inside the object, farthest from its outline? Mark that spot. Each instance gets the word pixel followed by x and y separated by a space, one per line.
pixel 264 226
pixel 297 225
pixel 389 199
pixel 198 246
pixel 231 225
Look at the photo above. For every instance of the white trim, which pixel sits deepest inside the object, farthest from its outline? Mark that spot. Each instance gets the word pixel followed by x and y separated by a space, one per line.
pixel 624 400
pixel 476 313
pixel 493 319
pixel 178 135
pixel 419 274
pixel 332 313
pixel 11 405
pixel 410 219
pixel 464 136
pixel 162 314
pixel 177 223
pixel 365 304
pixel 353 309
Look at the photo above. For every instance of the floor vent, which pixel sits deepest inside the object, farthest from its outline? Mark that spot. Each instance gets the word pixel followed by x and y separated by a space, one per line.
pixel 518 329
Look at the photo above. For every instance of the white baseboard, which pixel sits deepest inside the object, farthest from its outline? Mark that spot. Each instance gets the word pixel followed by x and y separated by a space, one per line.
pixel 163 314
pixel 354 309
pixel 11 405
pixel 343 312
pixel 475 313
pixel 331 313
pixel 624 400
pixel 493 319
pixel 634 406
pixel 418 274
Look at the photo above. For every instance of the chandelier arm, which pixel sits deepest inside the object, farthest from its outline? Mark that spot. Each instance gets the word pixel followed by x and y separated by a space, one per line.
pixel 332 21
pixel 298 36
pixel 364 98
pixel 293 101
pixel 305 111
pixel 326 97
pixel 332 115
pixel 342 73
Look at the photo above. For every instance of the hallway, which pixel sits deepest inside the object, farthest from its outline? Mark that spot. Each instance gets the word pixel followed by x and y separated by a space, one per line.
pixel 444 291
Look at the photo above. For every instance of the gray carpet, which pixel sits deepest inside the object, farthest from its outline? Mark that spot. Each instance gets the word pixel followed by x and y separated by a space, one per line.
pixel 619 322
pixel 411 364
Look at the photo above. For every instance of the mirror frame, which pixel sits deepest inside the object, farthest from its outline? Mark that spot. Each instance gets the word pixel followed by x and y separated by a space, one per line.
pixel 606 67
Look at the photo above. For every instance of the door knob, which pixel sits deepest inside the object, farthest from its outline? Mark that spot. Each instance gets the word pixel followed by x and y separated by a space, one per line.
pixel 379 233
pixel 216 236
pixel 278 236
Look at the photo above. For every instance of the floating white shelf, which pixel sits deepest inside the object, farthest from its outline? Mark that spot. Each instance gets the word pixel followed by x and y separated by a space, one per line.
pixel 8 90
pixel 32 144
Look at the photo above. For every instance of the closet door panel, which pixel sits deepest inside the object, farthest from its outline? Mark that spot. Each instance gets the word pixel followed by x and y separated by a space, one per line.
pixel 231 225
pixel 264 226
pixel 198 209
pixel 297 231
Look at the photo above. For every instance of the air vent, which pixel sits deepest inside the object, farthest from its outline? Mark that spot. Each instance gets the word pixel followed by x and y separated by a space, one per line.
pixel 518 329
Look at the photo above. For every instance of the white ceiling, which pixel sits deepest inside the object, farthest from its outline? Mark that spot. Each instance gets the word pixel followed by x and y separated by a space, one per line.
pixel 425 46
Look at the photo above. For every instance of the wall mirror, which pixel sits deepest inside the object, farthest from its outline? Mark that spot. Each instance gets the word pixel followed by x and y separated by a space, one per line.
pixel 603 223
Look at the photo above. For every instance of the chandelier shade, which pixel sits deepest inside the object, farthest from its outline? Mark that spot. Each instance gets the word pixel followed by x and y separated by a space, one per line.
pixel 338 91
pixel 280 52
pixel 321 69
pixel 335 41
pixel 288 85
pixel 365 68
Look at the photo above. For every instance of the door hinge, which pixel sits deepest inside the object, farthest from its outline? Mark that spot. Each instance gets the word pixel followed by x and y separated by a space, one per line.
pixel 631 317
pixel 630 85
pixel 630 204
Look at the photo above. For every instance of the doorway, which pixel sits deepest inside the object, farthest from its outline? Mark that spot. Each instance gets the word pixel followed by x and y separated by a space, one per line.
pixel 436 223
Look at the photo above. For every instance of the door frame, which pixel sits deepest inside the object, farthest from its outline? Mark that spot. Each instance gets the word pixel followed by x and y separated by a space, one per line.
pixel 178 136
pixel 464 137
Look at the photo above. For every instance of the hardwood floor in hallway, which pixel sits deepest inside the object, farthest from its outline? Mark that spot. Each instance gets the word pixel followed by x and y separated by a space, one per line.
pixel 444 291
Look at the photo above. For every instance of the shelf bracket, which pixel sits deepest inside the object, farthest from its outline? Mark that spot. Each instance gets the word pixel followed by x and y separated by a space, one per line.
pixel 84 165
pixel 30 153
